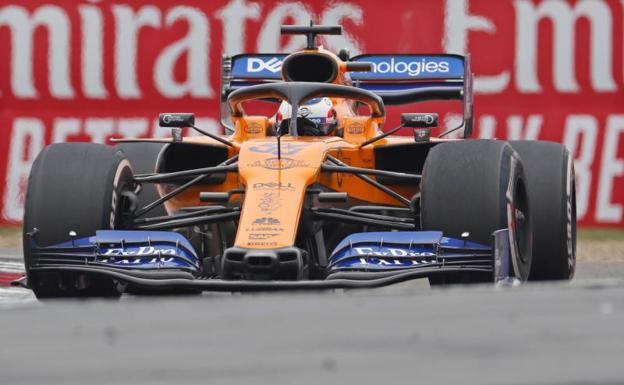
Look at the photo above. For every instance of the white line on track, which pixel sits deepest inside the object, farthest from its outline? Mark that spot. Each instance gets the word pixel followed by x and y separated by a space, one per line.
pixel 14 295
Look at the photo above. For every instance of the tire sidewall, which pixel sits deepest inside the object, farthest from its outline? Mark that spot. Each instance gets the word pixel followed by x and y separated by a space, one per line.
pixel 570 216
pixel 549 169
pixel 520 246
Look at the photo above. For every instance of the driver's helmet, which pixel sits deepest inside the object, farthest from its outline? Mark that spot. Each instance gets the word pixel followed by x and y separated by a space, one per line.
pixel 317 117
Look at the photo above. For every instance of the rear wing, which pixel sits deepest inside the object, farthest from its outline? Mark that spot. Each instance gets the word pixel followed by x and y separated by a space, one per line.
pixel 397 79
pixel 248 69
pixel 402 79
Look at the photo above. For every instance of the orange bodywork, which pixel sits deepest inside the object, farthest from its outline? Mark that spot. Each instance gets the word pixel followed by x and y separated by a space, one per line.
pixel 275 189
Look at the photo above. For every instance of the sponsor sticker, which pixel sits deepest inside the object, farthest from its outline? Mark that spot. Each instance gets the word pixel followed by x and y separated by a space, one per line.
pixel 135 261
pixel 304 111
pixel 266 221
pixel 258 64
pixel 273 186
pixel 411 67
pixel 265 229
pixel 140 251
pixel 394 262
pixel 287 149
pixel 279 164
pixel 269 202
pixel 261 236
pixel 255 243
pixel 393 252
pixel 254 128
pixel 265 225
pixel 355 128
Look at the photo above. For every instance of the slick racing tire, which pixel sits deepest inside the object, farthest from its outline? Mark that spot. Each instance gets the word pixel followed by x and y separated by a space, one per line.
pixel 550 176
pixel 73 187
pixel 143 157
pixel 477 186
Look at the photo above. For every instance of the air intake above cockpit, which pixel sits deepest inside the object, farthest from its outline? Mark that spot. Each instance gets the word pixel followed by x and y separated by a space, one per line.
pixel 309 67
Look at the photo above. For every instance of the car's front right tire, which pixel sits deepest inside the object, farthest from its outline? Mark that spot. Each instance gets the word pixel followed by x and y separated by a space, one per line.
pixel 478 187
pixel 549 170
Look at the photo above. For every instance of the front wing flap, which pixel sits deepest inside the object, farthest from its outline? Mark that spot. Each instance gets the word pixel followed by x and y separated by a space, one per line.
pixel 363 260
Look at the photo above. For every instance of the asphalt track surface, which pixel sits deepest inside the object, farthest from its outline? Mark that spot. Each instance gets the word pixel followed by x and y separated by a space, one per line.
pixel 535 334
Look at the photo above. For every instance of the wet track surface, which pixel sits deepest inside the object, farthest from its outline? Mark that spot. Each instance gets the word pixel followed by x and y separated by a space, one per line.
pixel 535 334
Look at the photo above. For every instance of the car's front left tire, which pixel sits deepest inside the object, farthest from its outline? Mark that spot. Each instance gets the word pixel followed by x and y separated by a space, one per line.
pixel 73 187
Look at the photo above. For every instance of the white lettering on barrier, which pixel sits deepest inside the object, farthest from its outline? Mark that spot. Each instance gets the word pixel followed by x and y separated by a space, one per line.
pixel 63 128
pixel 196 45
pixel 516 130
pixel 208 124
pixel 269 37
pixel 22 26
pixel 128 23
pixel 453 120
pixel 234 17
pixel 579 136
pixel 336 15
pixel 487 127
pixel 458 22
pixel 99 129
pixel 27 140
pixel 611 167
pixel 92 52
pixel 133 127
pixel 563 17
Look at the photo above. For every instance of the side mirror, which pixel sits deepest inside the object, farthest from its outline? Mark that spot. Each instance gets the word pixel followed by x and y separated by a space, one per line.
pixel 176 120
pixel 358 66
pixel 422 120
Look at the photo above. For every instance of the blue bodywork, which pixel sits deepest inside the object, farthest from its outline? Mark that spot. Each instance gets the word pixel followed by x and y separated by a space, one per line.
pixel 410 67
pixel 165 250
pixel 383 251
pixel 142 250
pixel 387 70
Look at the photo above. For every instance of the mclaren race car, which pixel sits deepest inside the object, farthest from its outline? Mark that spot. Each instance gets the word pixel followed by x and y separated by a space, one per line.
pixel 314 194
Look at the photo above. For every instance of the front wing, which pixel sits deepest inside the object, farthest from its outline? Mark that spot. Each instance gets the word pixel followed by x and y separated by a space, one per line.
pixel 165 261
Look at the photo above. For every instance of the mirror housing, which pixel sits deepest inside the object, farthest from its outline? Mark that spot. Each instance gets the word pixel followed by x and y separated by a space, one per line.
pixel 358 66
pixel 176 120
pixel 419 120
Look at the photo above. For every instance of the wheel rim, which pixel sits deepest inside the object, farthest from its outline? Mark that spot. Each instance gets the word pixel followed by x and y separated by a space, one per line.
pixel 522 221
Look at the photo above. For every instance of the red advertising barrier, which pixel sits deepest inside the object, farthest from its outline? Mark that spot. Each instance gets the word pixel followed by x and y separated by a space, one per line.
pixel 89 70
